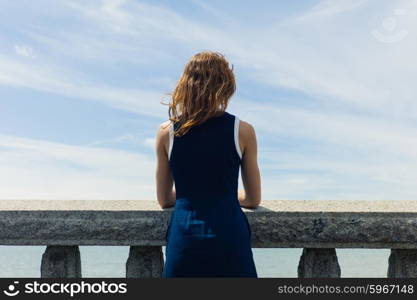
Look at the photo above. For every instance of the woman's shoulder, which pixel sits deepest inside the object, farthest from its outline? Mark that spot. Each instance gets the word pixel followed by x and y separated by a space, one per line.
pixel 164 125
pixel 246 132
pixel 245 127
pixel 162 135
pixel 163 130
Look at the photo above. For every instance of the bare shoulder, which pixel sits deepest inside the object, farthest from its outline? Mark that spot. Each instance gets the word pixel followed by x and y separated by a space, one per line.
pixel 246 130
pixel 247 137
pixel 164 127
pixel 162 135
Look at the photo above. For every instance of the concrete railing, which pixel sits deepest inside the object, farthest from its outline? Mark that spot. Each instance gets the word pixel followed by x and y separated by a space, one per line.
pixel 317 226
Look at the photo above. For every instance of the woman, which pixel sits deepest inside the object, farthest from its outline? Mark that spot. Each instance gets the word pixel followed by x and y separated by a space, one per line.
pixel 201 148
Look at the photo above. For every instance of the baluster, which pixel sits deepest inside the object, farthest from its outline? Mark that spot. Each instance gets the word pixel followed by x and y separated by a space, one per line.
pixel 318 262
pixel 402 263
pixel 61 262
pixel 144 262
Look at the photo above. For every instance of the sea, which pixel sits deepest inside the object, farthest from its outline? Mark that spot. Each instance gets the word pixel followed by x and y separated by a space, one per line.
pixel 110 261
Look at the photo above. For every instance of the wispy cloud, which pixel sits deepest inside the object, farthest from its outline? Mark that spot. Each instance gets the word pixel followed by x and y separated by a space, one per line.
pixel 125 138
pixel 36 169
pixel 24 51
pixel 150 143
pixel 333 103
pixel 334 156
pixel 73 84
pixel 329 8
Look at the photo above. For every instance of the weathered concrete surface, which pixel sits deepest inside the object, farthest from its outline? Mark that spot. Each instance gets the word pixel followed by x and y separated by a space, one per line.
pixel 318 263
pixel 270 205
pixel 61 262
pixel 402 263
pixel 145 262
pixel 276 224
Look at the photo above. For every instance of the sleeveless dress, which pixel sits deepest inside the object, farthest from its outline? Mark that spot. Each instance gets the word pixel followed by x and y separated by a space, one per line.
pixel 208 234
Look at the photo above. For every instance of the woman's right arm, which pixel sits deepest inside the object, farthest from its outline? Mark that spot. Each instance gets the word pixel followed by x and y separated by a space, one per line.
pixel 250 197
pixel 165 191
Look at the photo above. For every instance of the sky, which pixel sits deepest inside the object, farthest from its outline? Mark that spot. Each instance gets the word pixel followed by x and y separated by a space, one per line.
pixel 329 87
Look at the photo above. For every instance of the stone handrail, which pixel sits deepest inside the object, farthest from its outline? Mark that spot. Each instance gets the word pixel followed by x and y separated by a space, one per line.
pixel 318 226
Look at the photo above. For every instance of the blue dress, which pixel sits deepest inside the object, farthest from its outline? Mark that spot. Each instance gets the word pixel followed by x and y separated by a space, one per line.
pixel 208 234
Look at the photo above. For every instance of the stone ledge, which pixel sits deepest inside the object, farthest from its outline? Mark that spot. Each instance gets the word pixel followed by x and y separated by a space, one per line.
pixel 267 205
pixel 276 224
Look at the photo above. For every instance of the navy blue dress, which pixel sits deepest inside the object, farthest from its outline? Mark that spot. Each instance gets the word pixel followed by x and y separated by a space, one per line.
pixel 208 233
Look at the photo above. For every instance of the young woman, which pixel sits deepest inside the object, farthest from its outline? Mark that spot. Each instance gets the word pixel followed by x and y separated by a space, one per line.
pixel 201 148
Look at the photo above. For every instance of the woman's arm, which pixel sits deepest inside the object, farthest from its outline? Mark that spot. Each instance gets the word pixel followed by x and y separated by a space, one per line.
pixel 250 197
pixel 165 192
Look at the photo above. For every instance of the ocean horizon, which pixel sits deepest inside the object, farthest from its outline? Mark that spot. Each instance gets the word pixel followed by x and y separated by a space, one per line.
pixel 109 261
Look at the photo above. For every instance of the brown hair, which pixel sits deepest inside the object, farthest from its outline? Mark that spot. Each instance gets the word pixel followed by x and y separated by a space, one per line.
pixel 203 90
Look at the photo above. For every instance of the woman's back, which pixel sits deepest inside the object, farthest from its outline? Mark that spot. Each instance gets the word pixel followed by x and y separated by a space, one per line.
pixel 208 234
pixel 205 162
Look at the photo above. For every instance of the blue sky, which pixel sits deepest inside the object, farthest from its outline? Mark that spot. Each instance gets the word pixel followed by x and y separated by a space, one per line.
pixel 328 85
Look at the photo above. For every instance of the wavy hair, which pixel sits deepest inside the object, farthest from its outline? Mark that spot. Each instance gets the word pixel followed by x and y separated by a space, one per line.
pixel 203 91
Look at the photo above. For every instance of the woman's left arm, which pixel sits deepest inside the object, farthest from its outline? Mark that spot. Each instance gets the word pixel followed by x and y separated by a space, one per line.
pixel 165 192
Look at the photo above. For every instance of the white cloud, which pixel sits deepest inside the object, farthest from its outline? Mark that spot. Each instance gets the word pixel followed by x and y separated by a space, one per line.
pixel 76 85
pixel 125 138
pixel 356 132
pixel 330 8
pixel 36 169
pixel 327 58
pixel 334 155
pixel 24 51
pixel 150 142
pixel 338 64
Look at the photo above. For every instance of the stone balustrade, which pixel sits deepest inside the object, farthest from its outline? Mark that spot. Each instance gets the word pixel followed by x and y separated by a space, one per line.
pixel 317 226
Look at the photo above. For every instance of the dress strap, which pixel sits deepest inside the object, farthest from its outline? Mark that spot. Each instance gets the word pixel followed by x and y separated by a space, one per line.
pixel 171 139
pixel 236 135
